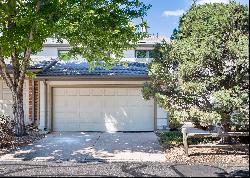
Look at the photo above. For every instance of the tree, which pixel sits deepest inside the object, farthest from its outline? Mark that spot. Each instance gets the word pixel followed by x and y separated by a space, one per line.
pixel 93 29
pixel 202 74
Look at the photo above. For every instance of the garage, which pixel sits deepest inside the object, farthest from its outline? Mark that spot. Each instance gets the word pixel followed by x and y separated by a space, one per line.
pixel 101 109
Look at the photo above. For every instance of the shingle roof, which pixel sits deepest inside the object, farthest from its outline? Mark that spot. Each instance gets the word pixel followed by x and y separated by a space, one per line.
pixel 81 68
pixel 36 64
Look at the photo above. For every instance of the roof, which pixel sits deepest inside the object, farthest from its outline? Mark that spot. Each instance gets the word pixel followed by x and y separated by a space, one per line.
pixel 152 39
pixel 74 68
pixel 36 64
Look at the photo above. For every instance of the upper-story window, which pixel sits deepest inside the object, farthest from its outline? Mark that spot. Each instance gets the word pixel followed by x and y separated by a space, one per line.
pixel 144 54
pixel 61 52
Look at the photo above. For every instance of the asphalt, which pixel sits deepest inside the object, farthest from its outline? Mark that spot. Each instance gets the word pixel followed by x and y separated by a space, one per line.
pixel 116 169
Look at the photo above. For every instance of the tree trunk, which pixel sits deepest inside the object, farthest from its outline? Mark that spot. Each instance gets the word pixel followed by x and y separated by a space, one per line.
pixel 225 122
pixel 18 113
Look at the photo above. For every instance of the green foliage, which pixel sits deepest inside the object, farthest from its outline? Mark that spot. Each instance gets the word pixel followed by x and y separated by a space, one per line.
pixel 171 138
pixel 175 138
pixel 202 74
pixel 91 27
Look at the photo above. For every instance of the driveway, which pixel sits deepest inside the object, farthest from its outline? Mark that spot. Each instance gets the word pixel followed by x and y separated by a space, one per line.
pixel 91 146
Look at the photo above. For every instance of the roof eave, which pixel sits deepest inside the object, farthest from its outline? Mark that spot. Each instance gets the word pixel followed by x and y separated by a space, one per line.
pixel 89 78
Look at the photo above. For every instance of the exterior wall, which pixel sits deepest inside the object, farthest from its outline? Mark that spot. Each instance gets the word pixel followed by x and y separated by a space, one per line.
pixel 42 116
pixel 52 51
pixel 48 51
pixel 129 54
pixel 161 116
pixel 34 101
pixel 6 100
pixel 162 119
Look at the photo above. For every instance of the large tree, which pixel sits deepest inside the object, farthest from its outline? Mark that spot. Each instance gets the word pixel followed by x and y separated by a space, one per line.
pixel 202 75
pixel 94 29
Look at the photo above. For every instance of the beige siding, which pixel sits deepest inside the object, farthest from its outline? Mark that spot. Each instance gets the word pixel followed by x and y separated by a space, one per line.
pixel 6 100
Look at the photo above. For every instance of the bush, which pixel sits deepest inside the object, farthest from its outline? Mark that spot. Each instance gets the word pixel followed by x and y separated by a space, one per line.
pixel 171 138
pixel 174 138
pixel 6 131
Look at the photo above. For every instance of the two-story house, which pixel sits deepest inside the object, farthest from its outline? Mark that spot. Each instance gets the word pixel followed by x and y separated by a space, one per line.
pixel 66 96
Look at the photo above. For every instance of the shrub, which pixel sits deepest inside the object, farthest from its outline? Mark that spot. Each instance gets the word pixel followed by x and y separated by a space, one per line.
pixel 6 131
pixel 171 138
pixel 174 138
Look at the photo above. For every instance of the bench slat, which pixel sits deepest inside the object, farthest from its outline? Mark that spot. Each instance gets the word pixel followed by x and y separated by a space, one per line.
pixel 196 133
pixel 217 145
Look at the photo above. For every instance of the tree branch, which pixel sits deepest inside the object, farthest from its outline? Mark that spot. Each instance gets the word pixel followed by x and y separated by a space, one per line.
pixel 27 54
pixel 4 74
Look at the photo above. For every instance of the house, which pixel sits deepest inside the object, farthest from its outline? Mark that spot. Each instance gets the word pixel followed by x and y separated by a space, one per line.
pixel 66 96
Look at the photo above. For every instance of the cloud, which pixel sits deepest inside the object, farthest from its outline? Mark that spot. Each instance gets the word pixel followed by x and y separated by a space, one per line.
pixel 178 12
pixel 212 1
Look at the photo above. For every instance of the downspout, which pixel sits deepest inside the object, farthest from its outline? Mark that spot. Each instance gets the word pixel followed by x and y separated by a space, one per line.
pixel 46 105
pixel 33 101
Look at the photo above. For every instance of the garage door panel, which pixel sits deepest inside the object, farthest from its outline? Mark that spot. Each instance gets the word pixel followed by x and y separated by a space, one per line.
pixel 122 101
pixel 84 91
pixel 72 91
pixel 66 117
pixel 85 102
pixel 103 109
pixel 68 127
pixel 109 91
pixel 66 104
pixel 134 101
pixel 122 92
pixel 98 91
pixel 117 113
pixel 92 127
pixel 71 104
pixel 122 113
pixel 59 91
pixel 92 102
pixel 134 92
pixel 109 102
pixel 90 116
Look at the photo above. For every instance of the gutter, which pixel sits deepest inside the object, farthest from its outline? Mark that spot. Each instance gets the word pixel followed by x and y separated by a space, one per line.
pixel 92 78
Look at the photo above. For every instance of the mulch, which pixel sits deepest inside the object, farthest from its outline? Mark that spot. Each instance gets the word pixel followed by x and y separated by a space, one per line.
pixel 31 136
pixel 236 156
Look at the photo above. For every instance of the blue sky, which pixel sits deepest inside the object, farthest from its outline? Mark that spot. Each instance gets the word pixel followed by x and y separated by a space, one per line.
pixel 164 15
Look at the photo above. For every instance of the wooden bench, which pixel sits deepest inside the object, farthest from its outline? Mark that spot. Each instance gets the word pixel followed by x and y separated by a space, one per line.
pixel 198 133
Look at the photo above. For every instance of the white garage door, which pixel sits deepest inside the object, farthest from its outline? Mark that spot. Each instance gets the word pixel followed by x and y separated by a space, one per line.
pixel 101 109
pixel 6 100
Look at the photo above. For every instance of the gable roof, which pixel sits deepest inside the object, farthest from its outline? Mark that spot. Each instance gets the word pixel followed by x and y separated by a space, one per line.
pixel 75 68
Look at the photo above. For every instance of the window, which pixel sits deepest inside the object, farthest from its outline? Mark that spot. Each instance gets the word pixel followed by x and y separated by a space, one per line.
pixel 61 52
pixel 144 54
pixel 151 54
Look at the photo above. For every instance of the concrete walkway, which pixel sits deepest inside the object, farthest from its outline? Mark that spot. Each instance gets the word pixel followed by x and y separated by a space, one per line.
pixel 91 146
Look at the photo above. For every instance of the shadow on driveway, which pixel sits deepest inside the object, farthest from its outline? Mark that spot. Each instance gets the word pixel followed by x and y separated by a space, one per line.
pixel 91 146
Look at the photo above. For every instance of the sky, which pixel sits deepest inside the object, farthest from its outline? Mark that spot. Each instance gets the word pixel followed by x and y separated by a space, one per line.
pixel 163 16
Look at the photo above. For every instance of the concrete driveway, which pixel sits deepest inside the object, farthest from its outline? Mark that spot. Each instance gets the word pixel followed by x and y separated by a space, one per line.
pixel 91 146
